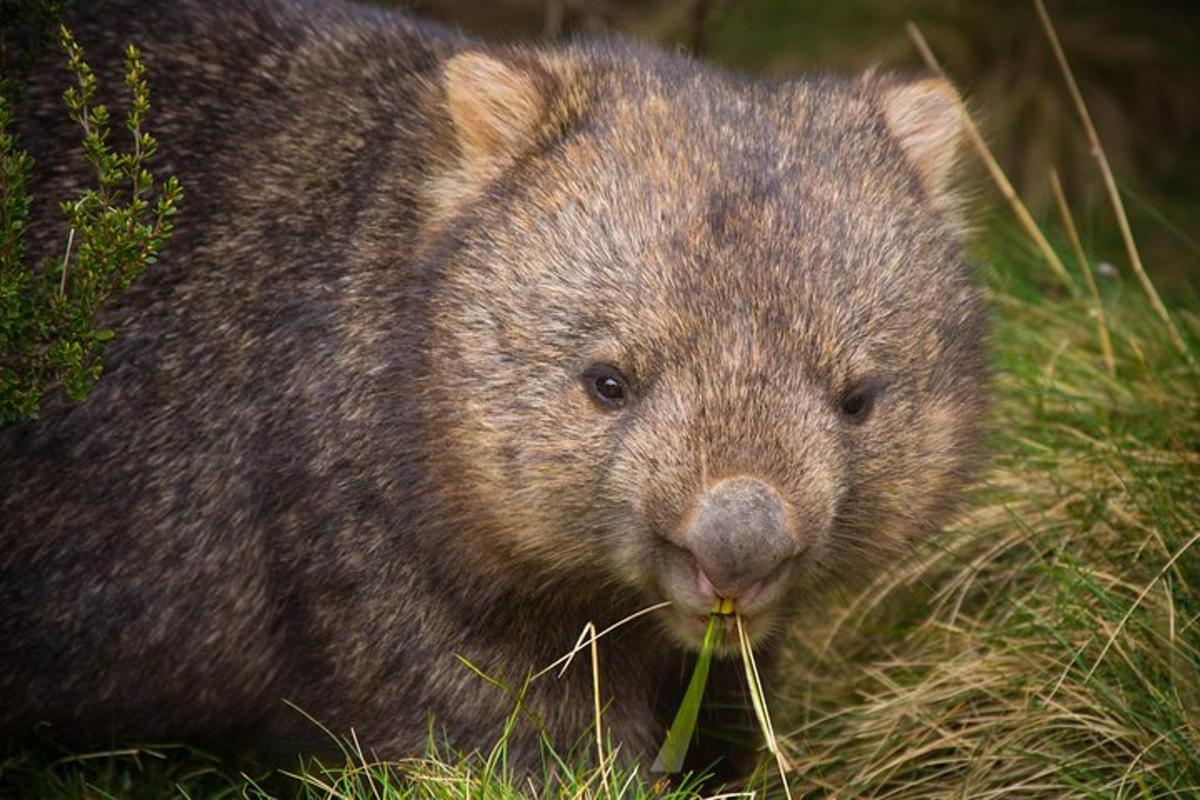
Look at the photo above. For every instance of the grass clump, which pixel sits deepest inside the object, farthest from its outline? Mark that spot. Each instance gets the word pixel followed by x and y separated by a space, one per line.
pixel 135 773
pixel 151 773
pixel 1051 646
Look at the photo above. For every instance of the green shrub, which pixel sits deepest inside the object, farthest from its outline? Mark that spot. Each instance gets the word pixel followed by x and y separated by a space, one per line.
pixel 50 336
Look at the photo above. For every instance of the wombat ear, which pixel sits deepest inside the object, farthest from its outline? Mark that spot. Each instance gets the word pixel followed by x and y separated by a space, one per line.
pixel 924 116
pixel 496 106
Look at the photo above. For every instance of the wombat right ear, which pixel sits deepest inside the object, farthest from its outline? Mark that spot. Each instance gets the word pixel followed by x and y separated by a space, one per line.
pixel 497 108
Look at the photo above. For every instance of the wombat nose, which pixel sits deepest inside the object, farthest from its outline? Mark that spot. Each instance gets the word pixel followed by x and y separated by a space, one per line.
pixel 740 534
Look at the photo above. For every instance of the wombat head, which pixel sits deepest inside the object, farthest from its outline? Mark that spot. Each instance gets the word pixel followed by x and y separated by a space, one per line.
pixel 697 336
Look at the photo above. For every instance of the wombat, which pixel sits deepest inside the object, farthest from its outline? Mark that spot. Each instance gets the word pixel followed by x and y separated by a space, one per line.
pixel 458 348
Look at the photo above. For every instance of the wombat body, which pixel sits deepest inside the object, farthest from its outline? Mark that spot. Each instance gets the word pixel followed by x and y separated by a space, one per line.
pixel 457 349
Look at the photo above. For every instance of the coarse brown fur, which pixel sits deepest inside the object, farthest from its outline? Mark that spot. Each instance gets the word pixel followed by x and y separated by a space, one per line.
pixel 343 440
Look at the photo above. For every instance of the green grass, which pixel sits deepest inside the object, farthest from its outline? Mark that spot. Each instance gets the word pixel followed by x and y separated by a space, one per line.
pixel 1048 646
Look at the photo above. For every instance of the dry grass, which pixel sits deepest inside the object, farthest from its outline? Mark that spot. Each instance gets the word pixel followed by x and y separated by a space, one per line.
pixel 1050 647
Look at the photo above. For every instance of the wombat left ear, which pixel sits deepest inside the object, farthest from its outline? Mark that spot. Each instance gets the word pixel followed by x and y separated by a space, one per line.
pixel 924 115
pixel 497 107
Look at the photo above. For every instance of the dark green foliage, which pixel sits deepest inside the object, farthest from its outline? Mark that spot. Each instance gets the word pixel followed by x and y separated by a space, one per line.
pixel 131 773
pixel 49 331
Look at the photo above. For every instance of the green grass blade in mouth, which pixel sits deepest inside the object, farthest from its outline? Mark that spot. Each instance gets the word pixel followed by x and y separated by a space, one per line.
pixel 675 746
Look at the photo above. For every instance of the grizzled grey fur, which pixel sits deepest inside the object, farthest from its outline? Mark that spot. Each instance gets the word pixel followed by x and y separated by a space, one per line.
pixel 350 428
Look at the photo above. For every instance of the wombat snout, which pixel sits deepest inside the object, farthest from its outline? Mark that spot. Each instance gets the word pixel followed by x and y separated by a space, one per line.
pixel 740 535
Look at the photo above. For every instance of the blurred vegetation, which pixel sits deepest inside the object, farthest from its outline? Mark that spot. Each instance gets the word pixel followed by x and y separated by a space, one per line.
pixel 1138 65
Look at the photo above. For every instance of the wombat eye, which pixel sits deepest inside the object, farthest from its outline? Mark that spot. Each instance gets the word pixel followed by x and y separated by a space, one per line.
pixel 857 403
pixel 606 385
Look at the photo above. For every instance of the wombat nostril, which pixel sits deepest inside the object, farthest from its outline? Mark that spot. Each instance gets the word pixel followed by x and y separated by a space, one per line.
pixel 741 533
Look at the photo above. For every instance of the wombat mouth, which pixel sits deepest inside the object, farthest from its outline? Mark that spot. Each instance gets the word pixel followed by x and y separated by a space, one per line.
pixel 690 628
pixel 683 582
pixel 742 602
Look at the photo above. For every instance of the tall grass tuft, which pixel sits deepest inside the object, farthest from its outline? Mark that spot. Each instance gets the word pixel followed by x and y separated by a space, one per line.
pixel 1050 647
